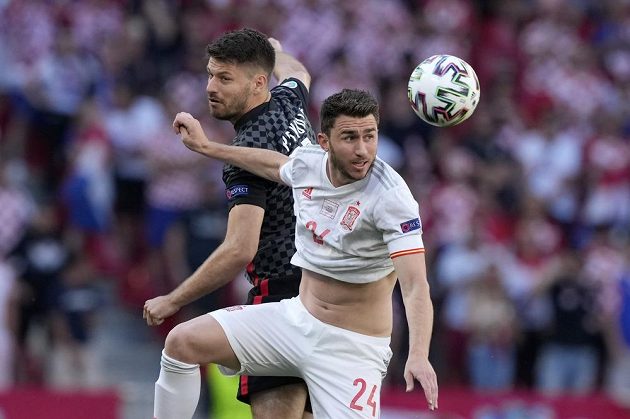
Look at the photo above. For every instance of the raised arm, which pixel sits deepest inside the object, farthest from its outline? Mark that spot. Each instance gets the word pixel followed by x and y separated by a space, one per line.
pixel 412 275
pixel 288 66
pixel 261 162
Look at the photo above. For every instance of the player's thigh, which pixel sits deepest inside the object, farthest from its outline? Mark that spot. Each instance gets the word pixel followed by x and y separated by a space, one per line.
pixel 350 393
pixel 268 339
pixel 201 340
pixel 345 374
pixel 287 401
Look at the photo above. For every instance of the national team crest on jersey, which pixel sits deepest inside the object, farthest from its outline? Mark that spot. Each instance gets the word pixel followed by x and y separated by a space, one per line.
pixel 351 215
pixel 410 225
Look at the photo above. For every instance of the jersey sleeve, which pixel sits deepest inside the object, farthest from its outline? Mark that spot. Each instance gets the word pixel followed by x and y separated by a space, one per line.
pixel 301 162
pixel 244 187
pixel 396 214
pixel 296 88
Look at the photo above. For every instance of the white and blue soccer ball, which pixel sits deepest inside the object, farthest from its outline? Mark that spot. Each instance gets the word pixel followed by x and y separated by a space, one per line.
pixel 443 90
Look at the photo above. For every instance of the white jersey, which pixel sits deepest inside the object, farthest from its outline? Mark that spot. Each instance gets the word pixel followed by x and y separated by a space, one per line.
pixel 350 233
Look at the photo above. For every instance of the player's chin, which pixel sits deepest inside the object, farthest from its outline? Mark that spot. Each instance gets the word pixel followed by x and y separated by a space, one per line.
pixel 217 110
pixel 360 171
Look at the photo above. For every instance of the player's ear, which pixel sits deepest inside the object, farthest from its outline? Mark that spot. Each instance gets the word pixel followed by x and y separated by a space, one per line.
pixel 260 83
pixel 323 141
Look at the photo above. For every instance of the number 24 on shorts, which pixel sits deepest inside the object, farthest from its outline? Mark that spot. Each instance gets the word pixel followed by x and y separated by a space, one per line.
pixel 358 400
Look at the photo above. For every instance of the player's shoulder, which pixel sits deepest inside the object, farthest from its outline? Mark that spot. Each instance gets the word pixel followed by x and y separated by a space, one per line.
pixel 308 149
pixel 304 161
pixel 386 177
pixel 291 90
pixel 290 85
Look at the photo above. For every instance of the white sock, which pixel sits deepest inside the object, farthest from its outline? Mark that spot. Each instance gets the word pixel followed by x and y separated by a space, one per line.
pixel 176 390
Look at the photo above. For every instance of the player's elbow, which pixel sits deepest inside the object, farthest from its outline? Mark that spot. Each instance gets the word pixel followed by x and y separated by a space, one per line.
pixel 242 252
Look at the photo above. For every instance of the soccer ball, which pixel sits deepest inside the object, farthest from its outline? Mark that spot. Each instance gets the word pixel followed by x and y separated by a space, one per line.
pixel 443 90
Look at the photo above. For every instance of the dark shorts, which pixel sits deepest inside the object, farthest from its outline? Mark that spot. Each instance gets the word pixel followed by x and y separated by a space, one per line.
pixel 267 291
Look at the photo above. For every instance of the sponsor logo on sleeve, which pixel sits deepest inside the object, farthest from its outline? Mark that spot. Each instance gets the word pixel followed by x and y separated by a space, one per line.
pixel 236 191
pixel 292 84
pixel 410 225
pixel 234 308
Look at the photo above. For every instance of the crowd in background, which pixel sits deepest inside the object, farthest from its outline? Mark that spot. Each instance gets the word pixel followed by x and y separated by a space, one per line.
pixel 525 206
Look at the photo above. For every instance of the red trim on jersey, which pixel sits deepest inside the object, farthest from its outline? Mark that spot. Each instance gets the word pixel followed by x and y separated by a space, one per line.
pixel 264 291
pixel 406 252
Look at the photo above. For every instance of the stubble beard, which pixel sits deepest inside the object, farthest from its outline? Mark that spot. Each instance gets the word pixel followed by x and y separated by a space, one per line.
pixel 337 165
pixel 233 109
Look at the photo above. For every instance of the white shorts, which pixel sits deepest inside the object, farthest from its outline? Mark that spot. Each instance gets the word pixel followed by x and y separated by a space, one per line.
pixel 344 370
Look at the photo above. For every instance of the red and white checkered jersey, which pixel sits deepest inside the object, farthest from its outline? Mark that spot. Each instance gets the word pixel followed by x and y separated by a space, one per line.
pixel 350 233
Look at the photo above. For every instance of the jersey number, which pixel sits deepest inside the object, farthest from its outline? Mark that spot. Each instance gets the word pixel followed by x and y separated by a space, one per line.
pixel 317 238
pixel 355 403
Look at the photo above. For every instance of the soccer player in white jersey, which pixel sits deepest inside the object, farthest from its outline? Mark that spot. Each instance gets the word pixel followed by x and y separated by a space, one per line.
pixel 358 230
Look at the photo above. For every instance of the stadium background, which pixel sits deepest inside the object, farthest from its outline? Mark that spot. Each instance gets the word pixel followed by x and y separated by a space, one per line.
pixel 526 206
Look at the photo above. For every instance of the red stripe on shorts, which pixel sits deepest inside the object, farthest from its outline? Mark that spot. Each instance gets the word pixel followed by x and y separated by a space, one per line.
pixel 264 291
pixel 244 384
pixel 252 273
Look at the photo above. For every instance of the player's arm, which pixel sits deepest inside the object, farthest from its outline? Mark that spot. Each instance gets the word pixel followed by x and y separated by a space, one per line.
pixel 221 267
pixel 261 162
pixel 288 66
pixel 412 275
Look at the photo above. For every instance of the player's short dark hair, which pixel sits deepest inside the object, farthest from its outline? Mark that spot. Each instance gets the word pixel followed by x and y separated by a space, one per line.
pixel 349 102
pixel 244 46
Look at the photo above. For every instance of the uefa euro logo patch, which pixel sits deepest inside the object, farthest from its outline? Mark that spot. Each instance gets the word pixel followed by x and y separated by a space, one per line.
pixel 290 84
pixel 410 225
pixel 236 191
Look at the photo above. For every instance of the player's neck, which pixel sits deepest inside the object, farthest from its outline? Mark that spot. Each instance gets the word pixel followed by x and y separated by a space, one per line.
pixel 253 104
pixel 259 100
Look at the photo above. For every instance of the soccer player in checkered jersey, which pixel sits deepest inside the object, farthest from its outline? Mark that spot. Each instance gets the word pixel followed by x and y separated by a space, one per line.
pixel 261 224
pixel 357 231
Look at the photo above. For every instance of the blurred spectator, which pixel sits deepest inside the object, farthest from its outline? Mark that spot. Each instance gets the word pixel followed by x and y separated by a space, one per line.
pixel 568 362
pixel 492 333
pixel 537 239
pixel 457 269
pixel 53 94
pixel 74 363
pixel 15 211
pixel 617 380
pixel 173 185
pixel 39 259
pixel 87 191
pixel 607 174
pixel 550 155
pixel 131 122
pixel 9 316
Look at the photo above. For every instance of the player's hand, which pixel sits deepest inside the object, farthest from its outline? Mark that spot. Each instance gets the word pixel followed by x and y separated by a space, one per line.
pixel 157 309
pixel 421 369
pixel 275 44
pixel 191 131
